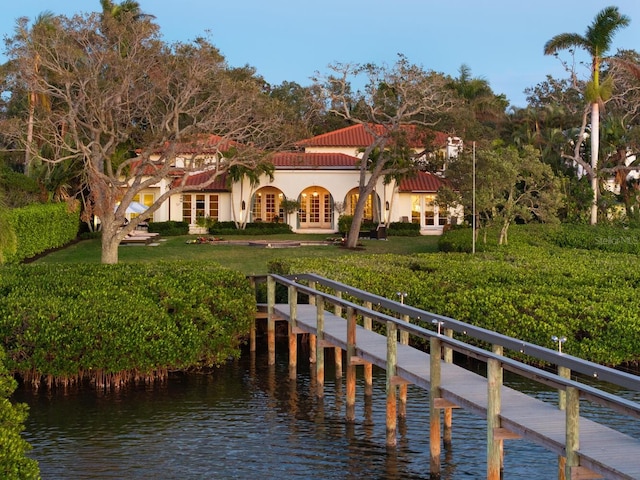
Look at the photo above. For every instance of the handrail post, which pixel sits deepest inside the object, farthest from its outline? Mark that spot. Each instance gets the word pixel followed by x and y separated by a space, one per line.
pixel 435 373
pixel 351 367
pixel 312 338
pixel 367 323
pixel 572 442
pixel 392 352
pixel 494 390
pixel 271 323
pixel 320 344
pixel 338 351
pixel 293 336
pixel 563 372
pixel 404 340
pixel 447 357
pixel 252 328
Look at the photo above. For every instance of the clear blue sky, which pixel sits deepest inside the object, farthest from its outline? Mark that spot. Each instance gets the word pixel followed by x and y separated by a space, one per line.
pixel 289 40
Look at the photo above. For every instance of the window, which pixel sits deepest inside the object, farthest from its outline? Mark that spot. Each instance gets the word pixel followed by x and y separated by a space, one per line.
pixel 145 199
pixel 186 209
pixel 213 207
pixel 201 211
pixel 257 207
pixel 201 205
pixel 270 206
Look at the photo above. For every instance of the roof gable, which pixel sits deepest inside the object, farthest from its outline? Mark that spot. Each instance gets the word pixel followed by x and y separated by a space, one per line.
pixel 358 136
pixel 422 182
pixel 218 185
pixel 307 161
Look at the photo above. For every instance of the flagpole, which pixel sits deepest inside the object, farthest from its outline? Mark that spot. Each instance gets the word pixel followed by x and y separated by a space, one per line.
pixel 473 220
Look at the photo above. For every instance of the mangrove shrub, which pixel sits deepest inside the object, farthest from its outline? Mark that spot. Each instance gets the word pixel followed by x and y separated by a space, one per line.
pixel 110 324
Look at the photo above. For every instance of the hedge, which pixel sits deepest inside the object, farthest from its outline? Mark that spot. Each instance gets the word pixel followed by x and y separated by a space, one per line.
pixel 14 461
pixel 525 291
pixel 110 324
pixel 170 228
pixel 41 227
pixel 253 228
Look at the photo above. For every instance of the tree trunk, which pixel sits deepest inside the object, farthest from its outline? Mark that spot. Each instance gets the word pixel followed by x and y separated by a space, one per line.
pixel 595 146
pixel 110 244
pixel 27 150
pixel 358 214
pixel 504 240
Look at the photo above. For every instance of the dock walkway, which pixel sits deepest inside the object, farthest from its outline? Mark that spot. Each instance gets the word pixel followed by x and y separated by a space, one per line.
pixel 601 452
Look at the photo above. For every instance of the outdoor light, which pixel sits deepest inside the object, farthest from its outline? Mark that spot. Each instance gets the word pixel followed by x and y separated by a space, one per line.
pixel 402 295
pixel 439 323
pixel 560 341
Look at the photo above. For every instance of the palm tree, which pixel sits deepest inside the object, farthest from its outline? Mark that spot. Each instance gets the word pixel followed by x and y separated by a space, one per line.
pixel 117 10
pixel 42 23
pixel 596 42
pixel 237 174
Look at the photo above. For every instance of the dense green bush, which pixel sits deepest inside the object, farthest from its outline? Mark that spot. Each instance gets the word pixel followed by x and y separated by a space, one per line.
pixel 529 290
pixel 253 228
pixel 597 237
pixel 345 221
pixel 170 228
pixel 115 323
pixel 19 190
pixel 404 229
pixel 41 227
pixel 14 463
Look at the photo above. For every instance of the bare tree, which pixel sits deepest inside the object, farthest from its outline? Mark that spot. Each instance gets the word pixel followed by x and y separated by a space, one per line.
pixel 393 99
pixel 126 90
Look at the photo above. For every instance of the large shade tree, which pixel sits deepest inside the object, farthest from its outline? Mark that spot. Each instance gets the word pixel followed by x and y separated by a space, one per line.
pixel 596 41
pixel 393 98
pixel 116 87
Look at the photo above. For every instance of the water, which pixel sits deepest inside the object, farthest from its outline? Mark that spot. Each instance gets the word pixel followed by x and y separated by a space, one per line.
pixel 248 421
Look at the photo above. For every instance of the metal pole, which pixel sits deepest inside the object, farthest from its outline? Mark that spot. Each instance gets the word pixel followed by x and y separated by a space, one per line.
pixel 473 208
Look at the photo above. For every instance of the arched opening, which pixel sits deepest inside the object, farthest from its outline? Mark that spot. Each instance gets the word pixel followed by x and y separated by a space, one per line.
pixel 371 209
pixel 265 205
pixel 316 208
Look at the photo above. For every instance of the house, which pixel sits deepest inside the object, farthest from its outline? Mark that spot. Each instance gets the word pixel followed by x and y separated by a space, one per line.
pixel 323 176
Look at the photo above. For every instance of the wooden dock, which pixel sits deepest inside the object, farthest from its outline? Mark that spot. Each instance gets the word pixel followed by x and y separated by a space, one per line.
pixel 586 449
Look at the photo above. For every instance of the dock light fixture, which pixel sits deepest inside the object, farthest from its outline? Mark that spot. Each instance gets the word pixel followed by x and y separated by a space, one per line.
pixel 560 341
pixel 439 323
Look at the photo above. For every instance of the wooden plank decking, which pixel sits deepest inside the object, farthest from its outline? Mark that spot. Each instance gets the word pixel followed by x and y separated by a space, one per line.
pixel 602 449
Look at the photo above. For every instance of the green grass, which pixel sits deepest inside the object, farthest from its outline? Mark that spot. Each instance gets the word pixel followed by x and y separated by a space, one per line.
pixel 250 260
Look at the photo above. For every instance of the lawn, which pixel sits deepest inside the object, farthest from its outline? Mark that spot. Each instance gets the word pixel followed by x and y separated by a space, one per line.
pixel 250 260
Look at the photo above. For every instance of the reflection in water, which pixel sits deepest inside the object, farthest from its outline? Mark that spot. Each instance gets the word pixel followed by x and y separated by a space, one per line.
pixel 249 420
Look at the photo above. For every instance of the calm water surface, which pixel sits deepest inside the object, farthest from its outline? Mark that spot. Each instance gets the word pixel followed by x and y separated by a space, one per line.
pixel 249 421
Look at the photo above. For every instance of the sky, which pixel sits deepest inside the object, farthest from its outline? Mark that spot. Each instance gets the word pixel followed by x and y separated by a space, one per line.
pixel 501 41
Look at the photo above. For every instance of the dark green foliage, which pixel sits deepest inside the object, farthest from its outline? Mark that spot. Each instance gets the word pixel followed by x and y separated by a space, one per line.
pixel 14 463
pixel 597 237
pixel 41 227
pixel 344 224
pixel 19 189
pixel 255 228
pixel 404 229
pixel 531 289
pixel 115 323
pixel 457 240
pixel 170 228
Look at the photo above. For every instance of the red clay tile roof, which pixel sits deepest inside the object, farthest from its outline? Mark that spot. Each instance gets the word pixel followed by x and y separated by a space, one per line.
pixel 205 144
pixel 218 185
pixel 424 182
pixel 310 161
pixel 357 136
